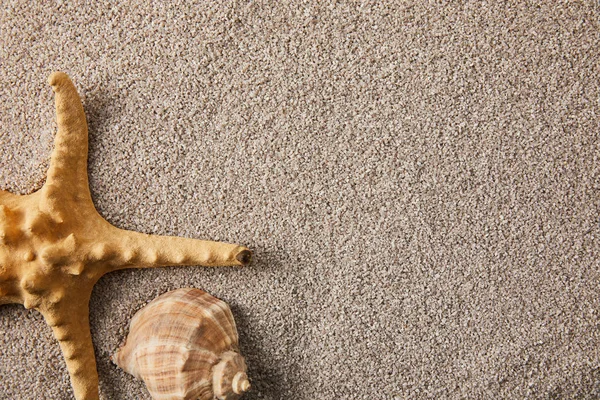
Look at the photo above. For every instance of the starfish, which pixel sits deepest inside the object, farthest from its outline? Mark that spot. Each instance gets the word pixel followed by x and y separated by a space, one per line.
pixel 54 245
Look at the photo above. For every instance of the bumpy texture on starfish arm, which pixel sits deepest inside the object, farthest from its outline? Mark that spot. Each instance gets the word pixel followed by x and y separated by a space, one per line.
pixel 54 246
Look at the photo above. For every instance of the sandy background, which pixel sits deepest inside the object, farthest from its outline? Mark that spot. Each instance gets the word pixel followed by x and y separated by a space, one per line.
pixel 420 185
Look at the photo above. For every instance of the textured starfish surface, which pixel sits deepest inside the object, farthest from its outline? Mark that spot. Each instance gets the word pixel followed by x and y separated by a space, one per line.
pixel 54 246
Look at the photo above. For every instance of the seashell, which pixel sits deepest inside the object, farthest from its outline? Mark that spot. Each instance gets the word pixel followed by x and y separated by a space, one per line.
pixel 184 345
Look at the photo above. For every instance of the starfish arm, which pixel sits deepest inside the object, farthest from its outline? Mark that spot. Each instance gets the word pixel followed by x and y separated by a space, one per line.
pixel 6 196
pixel 68 164
pixel 69 321
pixel 9 300
pixel 139 250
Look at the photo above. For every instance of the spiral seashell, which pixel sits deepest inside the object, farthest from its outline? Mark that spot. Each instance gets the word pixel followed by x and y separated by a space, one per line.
pixel 184 345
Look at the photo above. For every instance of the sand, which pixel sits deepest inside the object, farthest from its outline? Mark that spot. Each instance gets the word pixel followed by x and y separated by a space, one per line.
pixel 420 184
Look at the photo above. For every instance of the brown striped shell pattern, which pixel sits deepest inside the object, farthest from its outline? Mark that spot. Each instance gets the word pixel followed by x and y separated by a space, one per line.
pixel 184 346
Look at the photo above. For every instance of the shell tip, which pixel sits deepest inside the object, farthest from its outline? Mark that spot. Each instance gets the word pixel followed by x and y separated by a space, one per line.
pixel 240 383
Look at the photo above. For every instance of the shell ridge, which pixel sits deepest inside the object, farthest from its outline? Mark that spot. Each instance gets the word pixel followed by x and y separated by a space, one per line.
pixel 216 311
pixel 199 389
pixel 152 315
pixel 165 307
pixel 146 325
pixel 227 333
pixel 196 348
pixel 224 309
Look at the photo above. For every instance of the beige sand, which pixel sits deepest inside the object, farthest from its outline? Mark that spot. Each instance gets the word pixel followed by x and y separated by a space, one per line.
pixel 420 185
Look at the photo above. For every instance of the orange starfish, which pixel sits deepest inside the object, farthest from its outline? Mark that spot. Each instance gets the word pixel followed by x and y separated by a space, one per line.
pixel 54 246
